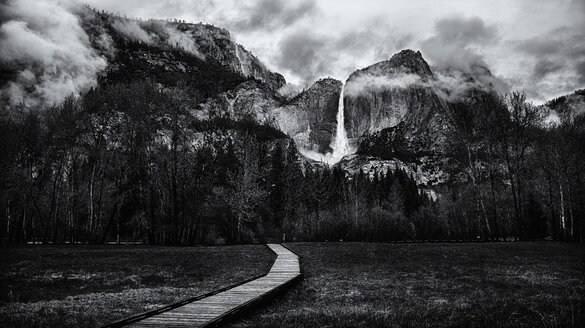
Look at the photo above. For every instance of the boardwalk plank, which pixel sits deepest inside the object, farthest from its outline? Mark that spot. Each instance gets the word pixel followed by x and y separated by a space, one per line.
pixel 202 312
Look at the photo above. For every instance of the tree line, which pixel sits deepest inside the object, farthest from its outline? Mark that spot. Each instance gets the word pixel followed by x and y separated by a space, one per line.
pixel 131 161
pixel 518 177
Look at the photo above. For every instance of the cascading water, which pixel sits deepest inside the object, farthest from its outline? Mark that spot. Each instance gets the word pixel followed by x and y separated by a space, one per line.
pixel 340 144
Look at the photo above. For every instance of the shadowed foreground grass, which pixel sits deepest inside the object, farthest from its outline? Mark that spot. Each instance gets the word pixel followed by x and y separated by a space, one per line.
pixel 432 285
pixel 89 286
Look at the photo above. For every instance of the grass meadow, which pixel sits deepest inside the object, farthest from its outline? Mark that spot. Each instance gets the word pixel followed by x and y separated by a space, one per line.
pixel 514 284
pixel 90 286
pixel 525 284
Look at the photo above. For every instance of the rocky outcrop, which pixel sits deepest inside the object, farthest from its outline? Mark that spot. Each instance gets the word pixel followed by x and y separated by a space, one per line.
pixel 390 92
pixel 399 121
pixel 427 172
pixel 175 47
pixel 217 43
pixel 251 100
pixel 310 117
pixel 566 108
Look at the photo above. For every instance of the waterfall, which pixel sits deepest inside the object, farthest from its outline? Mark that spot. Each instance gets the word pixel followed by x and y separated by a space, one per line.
pixel 340 144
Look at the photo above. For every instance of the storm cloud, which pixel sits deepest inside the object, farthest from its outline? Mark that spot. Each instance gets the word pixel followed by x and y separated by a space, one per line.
pixel 557 56
pixel 304 54
pixel 452 46
pixel 544 67
pixel 557 50
pixel 308 55
pixel 44 44
pixel 581 71
pixel 270 14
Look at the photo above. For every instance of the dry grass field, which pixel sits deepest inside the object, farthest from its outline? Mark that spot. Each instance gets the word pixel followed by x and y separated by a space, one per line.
pixel 527 284
pixel 89 286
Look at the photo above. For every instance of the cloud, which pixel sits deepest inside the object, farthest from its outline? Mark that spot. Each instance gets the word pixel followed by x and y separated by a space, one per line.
pixel 451 85
pixel 457 65
pixel 132 30
pixel 372 82
pixel 271 14
pixel 556 62
pixel 454 53
pixel 540 46
pixel 520 43
pixel 304 54
pixel 554 51
pixel 544 67
pixel 375 40
pixel 580 68
pixel 465 31
pixel 330 158
pixel 164 32
pixel 359 33
pixel 43 43
pixel 452 45
pixel 289 90
pixel 182 40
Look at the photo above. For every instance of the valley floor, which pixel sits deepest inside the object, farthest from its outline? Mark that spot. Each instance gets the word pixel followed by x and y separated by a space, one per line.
pixel 524 284
pixel 90 286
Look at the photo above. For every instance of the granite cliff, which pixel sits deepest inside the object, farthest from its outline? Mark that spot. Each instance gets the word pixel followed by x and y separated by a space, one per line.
pixel 309 118
pixel 178 47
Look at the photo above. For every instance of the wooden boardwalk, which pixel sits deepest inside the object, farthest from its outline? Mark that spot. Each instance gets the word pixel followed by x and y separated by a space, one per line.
pixel 210 310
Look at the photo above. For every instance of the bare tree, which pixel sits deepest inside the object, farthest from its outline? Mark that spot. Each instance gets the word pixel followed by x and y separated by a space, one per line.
pixel 515 146
pixel 246 194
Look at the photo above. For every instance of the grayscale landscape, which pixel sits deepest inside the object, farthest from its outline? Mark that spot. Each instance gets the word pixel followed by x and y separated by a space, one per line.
pixel 272 163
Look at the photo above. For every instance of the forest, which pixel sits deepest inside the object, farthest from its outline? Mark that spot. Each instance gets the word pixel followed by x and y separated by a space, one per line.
pixel 130 162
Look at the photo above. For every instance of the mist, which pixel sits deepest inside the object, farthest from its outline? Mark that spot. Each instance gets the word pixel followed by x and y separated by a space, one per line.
pixel 329 158
pixel 132 30
pixel 43 43
pixel 372 82
pixel 167 33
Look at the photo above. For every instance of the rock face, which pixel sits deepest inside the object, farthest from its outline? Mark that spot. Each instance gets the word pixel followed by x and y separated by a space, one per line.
pixel 250 100
pixel 427 174
pixel 310 117
pixel 390 92
pixel 177 47
pixel 217 43
pixel 393 111
pixel 420 153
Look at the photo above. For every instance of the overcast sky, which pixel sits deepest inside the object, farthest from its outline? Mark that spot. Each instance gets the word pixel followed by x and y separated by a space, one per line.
pixel 534 45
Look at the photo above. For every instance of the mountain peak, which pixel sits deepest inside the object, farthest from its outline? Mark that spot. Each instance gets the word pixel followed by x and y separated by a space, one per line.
pixel 406 61
pixel 182 47
pixel 390 92
pixel 327 81
pixel 406 54
pixel 412 61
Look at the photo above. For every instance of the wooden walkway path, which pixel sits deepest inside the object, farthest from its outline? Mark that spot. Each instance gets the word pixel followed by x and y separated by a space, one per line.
pixel 210 310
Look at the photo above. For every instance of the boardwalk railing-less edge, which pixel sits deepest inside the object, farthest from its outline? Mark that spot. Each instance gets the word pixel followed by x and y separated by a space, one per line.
pixel 210 309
